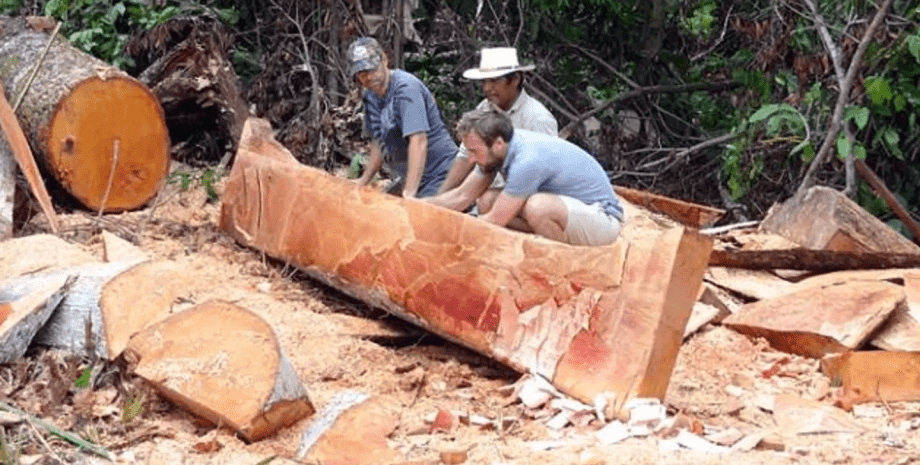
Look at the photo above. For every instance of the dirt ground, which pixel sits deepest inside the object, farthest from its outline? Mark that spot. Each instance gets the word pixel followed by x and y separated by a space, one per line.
pixel 337 344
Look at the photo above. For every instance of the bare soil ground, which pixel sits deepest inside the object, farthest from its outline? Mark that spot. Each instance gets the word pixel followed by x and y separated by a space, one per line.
pixel 338 344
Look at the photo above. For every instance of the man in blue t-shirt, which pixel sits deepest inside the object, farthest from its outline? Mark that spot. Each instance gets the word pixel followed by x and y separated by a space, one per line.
pixel 403 122
pixel 552 187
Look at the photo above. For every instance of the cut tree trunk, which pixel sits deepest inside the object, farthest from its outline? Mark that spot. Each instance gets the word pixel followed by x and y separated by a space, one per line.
pixel 825 219
pixel 815 321
pixel 597 321
pixel 222 363
pixel 27 305
pixel 99 132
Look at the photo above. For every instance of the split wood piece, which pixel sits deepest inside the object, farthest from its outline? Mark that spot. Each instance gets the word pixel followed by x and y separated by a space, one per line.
pixel 893 275
pixel 77 324
pixel 686 213
pixel 116 249
pixel 39 253
pixel 877 376
pixel 19 148
pixel 27 306
pixel 753 284
pixel 99 132
pixel 814 322
pixel 825 219
pixel 812 260
pixel 795 415
pixel 591 319
pixel 222 363
pixel 357 435
pixel 137 298
pixel 702 315
pixel 719 298
pixel 902 331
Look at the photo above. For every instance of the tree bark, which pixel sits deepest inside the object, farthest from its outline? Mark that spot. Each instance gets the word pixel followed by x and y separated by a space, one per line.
pixel 99 132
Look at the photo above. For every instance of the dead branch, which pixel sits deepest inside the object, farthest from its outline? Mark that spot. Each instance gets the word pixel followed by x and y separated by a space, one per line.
pixel 842 100
pixel 879 187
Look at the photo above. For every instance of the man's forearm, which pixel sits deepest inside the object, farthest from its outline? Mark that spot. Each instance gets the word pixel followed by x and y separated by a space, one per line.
pixel 457 173
pixel 415 166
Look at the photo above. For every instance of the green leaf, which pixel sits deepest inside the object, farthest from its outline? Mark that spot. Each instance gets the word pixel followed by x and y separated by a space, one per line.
pixel 913 45
pixel 83 380
pixel 860 115
pixel 56 8
pixel 879 89
pixel 843 146
pixel 763 113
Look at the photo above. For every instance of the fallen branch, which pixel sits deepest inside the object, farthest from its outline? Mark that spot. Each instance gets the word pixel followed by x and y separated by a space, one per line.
pixel 67 436
pixel 41 59
pixel 879 187
pixel 842 99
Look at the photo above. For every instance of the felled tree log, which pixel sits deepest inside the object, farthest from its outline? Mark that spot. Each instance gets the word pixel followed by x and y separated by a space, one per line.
pixel 823 218
pixel 185 62
pixel 99 132
pixel 223 363
pixel 812 260
pixel 599 321
pixel 26 306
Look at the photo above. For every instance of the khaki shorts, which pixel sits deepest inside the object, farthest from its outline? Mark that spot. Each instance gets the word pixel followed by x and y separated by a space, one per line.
pixel 589 224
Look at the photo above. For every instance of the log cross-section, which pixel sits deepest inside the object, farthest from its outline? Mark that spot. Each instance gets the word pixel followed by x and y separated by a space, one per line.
pixel 99 132
pixel 594 320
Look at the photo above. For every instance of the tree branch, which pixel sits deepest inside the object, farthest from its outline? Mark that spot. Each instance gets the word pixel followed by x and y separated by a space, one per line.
pixel 842 99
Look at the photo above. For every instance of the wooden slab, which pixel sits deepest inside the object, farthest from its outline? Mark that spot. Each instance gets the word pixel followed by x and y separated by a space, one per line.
pixel 686 213
pixel 795 415
pixel 222 363
pixel 902 331
pixel 591 319
pixel 825 219
pixel 753 284
pixel 39 253
pixel 116 249
pixel 817 321
pixel 875 376
pixel 26 306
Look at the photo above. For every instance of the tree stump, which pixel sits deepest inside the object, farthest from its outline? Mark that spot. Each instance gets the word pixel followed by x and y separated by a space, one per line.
pixel 99 132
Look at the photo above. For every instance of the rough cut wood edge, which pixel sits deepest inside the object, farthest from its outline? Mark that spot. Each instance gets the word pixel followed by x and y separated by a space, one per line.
pixel 824 218
pixel 39 253
pixel 31 304
pixel 223 363
pixel 686 213
pixel 77 324
pixel 875 376
pixel 534 304
pixel 116 249
pixel 7 189
pixel 137 298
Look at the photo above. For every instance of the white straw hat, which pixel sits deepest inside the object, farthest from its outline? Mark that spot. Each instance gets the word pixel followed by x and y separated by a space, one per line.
pixel 495 62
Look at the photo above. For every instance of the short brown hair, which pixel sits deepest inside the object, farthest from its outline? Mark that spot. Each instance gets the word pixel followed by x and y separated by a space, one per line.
pixel 488 123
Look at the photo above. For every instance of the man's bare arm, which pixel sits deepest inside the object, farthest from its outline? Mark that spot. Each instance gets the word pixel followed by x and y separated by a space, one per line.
pixel 459 170
pixel 374 162
pixel 417 153
pixel 504 210
pixel 461 197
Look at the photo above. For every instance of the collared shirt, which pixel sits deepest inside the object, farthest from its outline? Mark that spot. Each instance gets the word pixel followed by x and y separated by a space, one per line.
pixel 409 108
pixel 525 113
pixel 540 163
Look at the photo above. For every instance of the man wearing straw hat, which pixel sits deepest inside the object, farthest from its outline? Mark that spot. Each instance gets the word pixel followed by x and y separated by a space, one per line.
pixel 403 121
pixel 502 78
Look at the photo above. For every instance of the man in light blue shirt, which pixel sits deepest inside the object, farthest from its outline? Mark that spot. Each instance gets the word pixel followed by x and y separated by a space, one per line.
pixel 553 187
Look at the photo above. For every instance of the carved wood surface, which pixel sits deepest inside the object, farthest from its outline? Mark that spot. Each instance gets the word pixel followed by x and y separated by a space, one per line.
pixel 594 320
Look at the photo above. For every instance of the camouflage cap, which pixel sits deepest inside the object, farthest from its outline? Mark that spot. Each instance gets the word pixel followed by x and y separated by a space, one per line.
pixel 364 54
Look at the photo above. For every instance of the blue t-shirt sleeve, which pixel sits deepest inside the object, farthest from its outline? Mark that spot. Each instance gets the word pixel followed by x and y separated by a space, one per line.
pixel 524 180
pixel 410 104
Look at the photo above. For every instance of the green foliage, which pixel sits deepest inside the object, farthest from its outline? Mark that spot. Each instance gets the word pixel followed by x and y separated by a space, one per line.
pixel 9 453
pixel 357 161
pixel 102 27
pixel 10 7
pixel 84 378
pixel 206 178
pixel 699 22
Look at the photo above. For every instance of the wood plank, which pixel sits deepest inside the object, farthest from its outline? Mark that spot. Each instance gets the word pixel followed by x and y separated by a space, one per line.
pixel 686 213
pixel 753 284
pixel 592 320
pixel 812 260
pixel 823 218
pixel 816 321
pixel 225 364
pixel 902 331
pixel 875 376
pixel 28 306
